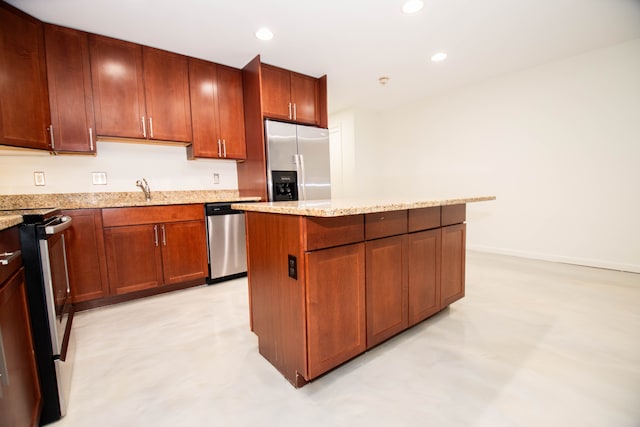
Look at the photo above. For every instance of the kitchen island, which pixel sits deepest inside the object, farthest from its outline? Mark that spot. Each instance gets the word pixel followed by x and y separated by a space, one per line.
pixel 329 279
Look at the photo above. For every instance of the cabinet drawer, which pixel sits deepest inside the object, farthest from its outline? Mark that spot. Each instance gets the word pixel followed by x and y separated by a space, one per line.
pixel 453 214
pixel 424 218
pixel 116 217
pixel 329 232
pixel 384 224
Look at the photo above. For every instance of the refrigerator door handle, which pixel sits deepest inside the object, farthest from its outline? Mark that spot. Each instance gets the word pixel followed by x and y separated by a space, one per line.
pixel 302 185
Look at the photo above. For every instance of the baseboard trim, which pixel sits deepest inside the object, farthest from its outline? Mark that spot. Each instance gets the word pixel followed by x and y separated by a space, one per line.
pixel 630 268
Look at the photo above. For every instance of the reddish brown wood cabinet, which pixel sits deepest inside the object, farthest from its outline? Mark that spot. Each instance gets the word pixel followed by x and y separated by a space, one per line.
pixel 217 111
pixel 323 290
pixel 70 94
pixel 86 260
pixel 24 99
pixel 147 247
pixel 139 92
pixel 20 399
pixel 290 96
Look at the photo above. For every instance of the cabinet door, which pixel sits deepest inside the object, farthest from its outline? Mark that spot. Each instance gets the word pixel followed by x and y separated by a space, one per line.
pixel 166 84
pixel 203 88
pixel 304 96
pixel 70 95
pixel 336 328
pixel 24 100
pixel 424 275
pixel 276 92
pixel 133 258
pixel 118 90
pixel 184 251
pixel 231 113
pixel 86 260
pixel 453 258
pixel 387 292
pixel 19 386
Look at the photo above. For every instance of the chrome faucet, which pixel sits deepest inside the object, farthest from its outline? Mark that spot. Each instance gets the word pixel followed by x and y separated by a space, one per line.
pixel 144 186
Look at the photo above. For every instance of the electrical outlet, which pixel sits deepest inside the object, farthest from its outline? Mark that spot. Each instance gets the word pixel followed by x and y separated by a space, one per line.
pixel 38 178
pixel 216 178
pixel 292 265
pixel 99 178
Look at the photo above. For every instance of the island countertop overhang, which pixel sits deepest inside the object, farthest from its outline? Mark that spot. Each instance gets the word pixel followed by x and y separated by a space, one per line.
pixel 353 206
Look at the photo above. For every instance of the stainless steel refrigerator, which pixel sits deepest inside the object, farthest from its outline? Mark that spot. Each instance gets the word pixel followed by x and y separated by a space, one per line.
pixel 298 162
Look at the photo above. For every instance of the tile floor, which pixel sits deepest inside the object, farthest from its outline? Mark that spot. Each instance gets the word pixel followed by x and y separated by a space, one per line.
pixel 532 344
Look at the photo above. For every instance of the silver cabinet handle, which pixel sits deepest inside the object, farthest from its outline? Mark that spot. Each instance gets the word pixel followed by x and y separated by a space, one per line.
pixel 155 232
pixel 219 148
pixel 295 113
pixel 224 148
pixel 289 111
pixel 144 127
pixel 8 257
pixel 53 142
pixel 65 222
pixel 90 139
pixel 151 126
pixel 164 236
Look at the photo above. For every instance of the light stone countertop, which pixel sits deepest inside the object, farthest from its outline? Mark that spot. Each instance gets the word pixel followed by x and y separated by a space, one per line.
pixel 117 199
pixel 8 221
pixel 343 207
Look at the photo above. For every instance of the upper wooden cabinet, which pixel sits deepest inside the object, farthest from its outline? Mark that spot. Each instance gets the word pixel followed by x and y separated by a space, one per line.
pixel 70 96
pixel 24 101
pixel 290 96
pixel 217 111
pixel 139 92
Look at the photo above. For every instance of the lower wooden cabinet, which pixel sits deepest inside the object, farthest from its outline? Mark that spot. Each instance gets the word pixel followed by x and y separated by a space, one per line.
pixel 85 255
pixel 20 399
pixel 336 327
pixel 387 288
pixel 147 247
pixel 424 274
pixel 452 280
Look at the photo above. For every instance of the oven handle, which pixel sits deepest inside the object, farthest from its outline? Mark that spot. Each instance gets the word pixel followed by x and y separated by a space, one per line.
pixel 58 228
pixel 8 257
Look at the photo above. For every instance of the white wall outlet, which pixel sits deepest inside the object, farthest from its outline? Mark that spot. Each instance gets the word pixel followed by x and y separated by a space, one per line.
pixel 38 178
pixel 216 178
pixel 99 178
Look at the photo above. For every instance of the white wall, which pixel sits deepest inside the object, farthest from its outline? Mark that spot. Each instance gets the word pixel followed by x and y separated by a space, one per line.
pixel 166 168
pixel 559 145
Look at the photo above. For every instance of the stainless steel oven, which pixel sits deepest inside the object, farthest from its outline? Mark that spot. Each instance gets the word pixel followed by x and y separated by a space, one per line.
pixel 50 306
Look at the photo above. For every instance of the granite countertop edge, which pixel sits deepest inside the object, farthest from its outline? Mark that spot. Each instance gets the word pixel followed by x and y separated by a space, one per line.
pixel 344 207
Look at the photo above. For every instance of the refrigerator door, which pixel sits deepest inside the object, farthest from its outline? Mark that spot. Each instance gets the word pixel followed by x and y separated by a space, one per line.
pixel 314 163
pixel 282 149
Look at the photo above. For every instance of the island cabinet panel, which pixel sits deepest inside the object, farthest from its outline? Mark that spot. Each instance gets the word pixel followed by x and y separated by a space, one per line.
pixel 327 232
pixel 336 322
pixel 453 214
pixel 452 279
pixel 424 274
pixel 86 258
pixel 133 258
pixel 217 111
pixel 384 224
pixel 118 88
pixel 386 288
pixel 70 94
pixel 24 98
pixel 423 219
pixel 276 300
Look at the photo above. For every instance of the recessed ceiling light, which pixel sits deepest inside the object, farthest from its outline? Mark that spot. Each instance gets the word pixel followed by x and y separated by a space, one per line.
pixel 264 34
pixel 412 6
pixel 438 57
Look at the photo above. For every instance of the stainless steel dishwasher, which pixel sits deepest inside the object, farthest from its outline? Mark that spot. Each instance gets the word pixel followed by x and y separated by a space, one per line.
pixel 226 244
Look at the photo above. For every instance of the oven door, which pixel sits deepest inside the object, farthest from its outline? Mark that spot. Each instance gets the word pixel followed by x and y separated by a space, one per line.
pixel 57 292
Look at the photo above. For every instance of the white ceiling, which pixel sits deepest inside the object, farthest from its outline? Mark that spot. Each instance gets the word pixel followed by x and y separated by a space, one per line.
pixel 355 42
